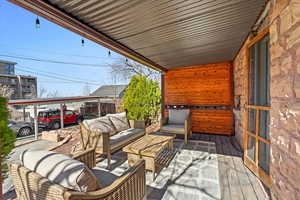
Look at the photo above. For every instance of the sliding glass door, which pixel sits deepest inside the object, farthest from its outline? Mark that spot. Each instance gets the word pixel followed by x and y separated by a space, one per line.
pixel 257 140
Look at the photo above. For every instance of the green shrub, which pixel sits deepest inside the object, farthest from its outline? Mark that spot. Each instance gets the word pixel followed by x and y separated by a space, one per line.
pixel 7 137
pixel 142 99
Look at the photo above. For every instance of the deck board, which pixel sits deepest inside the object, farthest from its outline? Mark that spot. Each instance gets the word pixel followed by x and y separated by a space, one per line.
pixel 257 185
pixel 236 180
pixel 223 168
pixel 235 187
pixel 245 183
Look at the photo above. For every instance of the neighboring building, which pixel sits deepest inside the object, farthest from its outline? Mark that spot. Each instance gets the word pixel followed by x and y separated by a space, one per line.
pixel 23 87
pixel 112 91
pixel 7 67
pixel 111 102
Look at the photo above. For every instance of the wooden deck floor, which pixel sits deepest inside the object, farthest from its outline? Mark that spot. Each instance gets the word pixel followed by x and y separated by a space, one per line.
pixel 236 180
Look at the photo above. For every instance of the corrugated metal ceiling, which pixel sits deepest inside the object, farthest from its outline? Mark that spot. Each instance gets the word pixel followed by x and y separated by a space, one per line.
pixel 172 33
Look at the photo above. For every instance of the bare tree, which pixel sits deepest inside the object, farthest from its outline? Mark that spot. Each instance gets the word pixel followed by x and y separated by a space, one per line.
pixel 42 92
pixel 6 91
pixel 86 89
pixel 33 91
pixel 52 94
pixel 123 69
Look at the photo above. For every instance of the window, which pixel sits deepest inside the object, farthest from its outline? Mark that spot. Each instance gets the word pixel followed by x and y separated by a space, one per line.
pixel 259 73
pixel 43 114
pixel 9 68
pixel 68 112
pixel 54 113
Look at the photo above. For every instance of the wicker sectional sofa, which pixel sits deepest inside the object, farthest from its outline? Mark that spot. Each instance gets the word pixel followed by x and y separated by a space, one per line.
pixel 110 133
pixel 55 185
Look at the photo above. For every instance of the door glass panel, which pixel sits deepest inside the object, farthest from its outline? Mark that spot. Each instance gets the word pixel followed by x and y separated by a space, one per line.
pixel 252 77
pixel 259 93
pixel 264 156
pixel 264 124
pixel 251 148
pixel 252 121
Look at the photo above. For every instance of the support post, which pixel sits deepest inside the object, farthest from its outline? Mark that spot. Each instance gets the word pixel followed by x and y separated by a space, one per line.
pixel 36 125
pixel 162 80
pixel 99 108
pixel 61 116
pixel 24 113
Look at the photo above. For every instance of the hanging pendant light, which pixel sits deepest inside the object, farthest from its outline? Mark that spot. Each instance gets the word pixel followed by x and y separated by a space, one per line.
pixel 37 23
pixel 82 42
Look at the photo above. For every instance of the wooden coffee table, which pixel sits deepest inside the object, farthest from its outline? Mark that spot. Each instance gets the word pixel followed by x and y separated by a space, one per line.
pixel 156 150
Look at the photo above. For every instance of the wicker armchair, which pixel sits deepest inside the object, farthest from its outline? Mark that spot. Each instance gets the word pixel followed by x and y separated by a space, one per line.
pixel 31 186
pixel 181 126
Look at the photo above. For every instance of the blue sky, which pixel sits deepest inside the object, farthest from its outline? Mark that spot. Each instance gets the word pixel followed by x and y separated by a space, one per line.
pixel 19 37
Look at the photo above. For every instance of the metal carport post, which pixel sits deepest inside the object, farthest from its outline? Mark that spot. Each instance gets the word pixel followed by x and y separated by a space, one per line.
pixel 61 116
pixel 36 125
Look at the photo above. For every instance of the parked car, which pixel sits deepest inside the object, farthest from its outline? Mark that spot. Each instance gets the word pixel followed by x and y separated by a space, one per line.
pixel 21 128
pixel 50 119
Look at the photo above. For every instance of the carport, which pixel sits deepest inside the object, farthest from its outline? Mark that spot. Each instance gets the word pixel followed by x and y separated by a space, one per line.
pixel 58 100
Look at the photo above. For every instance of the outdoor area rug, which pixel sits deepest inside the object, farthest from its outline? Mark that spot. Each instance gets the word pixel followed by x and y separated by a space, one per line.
pixel 191 175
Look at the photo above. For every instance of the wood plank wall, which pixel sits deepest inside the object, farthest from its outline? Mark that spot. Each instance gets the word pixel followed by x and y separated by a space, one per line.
pixel 204 85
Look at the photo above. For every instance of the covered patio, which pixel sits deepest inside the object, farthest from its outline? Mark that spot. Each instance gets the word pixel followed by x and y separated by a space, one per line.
pixel 208 167
pixel 233 64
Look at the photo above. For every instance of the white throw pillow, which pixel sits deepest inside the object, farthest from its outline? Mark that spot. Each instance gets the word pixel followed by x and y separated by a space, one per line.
pixel 60 169
pixel 178 116
pixel 119 121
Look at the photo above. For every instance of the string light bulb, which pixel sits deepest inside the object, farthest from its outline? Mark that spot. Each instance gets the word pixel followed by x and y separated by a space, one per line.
pixel 126 60
pixel 37 23
pixel 82 42
pixel 109 53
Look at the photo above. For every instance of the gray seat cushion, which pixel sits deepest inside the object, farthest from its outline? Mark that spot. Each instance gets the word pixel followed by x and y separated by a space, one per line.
pixel 60 169
pixel 178 116
pixel 106 177
pixel 173 128
pixel 125 136
pixel 119 121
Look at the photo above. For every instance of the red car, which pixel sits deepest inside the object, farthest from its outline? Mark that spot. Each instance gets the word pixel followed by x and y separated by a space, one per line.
pixel 50 119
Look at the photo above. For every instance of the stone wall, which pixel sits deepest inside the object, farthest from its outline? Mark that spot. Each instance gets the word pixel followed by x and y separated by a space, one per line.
pixel 239 73
pixel 284 23
pixel 285 98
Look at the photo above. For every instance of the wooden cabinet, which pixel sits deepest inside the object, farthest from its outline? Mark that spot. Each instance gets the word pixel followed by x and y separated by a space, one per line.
pixel 212 121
